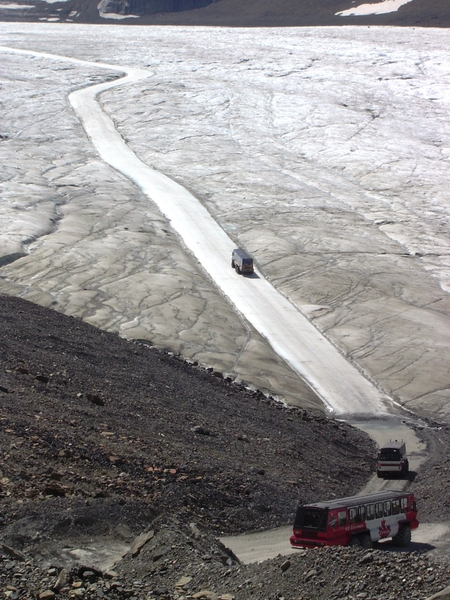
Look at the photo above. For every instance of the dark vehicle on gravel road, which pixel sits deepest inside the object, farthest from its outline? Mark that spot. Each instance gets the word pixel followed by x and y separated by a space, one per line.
pixel 241 262
pixel 392 460
pixel 356 521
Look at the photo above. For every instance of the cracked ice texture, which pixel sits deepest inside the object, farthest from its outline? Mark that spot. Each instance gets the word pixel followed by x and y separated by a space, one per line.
pixel 325 152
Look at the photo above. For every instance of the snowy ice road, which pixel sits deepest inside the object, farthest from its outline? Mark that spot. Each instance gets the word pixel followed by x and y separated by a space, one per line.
pixel 324 152
pixel 342 388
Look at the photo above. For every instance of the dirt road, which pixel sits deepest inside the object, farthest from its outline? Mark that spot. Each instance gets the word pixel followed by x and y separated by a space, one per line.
pixel 260 546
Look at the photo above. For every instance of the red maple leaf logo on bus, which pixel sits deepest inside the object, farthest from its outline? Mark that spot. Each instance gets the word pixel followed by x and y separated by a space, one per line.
pixel 384 530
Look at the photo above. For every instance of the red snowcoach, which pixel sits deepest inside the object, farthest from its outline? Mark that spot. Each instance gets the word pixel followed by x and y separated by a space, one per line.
pixel 356 521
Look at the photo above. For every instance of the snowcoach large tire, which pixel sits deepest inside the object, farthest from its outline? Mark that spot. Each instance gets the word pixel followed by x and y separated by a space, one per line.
pixel 355 541
pixel 366 541
pixel 403 537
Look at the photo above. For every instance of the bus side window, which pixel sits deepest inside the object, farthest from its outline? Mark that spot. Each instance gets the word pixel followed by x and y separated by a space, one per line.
pixel 387 510
pixel 361 514
pixel 342 518
pixel 404 504
pixel 370 512
pixel 395 507
pixel 379 510
pixel 352 514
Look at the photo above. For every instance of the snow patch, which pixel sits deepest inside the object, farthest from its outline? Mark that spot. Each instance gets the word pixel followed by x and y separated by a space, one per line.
pixel 117 17
pixel 16 6
pixel 380 8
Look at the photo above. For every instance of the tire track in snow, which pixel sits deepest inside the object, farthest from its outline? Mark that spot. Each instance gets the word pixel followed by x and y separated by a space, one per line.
pixel 342 388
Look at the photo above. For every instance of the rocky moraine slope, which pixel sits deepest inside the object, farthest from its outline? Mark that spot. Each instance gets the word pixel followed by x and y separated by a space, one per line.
pixel 109 444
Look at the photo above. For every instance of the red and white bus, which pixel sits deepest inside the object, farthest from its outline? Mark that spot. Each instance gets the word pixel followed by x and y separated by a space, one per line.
pixel 356 521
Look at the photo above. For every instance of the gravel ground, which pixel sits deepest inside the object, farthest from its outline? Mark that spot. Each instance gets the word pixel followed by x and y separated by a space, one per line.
pixel 107 442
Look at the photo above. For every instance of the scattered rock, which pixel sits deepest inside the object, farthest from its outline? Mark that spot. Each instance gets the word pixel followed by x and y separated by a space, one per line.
pixel 46 595
pixel 442 595
pixel 13 553
pixel 95 399
pixel 201 430
pixel 61 581
pixel 285 566
pixel 181 583
pixel 140 541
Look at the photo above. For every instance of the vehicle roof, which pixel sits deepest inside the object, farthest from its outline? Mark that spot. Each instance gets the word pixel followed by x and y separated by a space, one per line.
pixel 396 444
pixel 357 500
pixel 242 253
